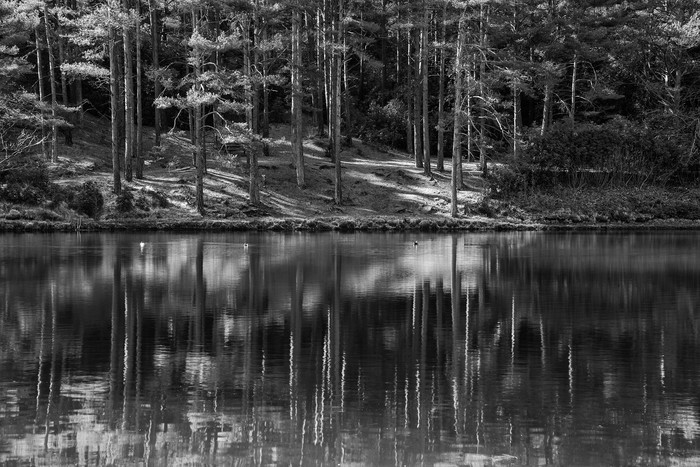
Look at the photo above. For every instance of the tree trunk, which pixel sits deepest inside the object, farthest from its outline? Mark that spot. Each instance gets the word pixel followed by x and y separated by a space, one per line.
pixel 346 95
pixel 483 20
pixel 52 82
pixel 457 130
pixel 517 119
pixel 336 104
pixel 128 99
pixel 441 96
pixel 547 109
pixel 155 50
pixel 114 107
pixel 198 130
pixel 61 61
pixel 266 87
pixel 321 80
pixel 248 70
pixel 417 126
pixel 297 127
pixel 253 187
pixel 42 91
pixel 139 98
pixel 408 95
pixel 424 79
pixel 572 110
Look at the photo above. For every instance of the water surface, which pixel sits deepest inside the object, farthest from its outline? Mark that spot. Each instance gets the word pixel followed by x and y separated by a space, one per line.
pixel 316 349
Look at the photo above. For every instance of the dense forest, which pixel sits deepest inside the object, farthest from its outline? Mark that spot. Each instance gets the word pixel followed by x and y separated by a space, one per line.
pixel 586 92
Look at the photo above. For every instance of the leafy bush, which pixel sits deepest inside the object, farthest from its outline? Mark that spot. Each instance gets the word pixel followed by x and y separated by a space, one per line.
pixel 87 199
pixel 26 184
pixel 125 201
pixel 385 125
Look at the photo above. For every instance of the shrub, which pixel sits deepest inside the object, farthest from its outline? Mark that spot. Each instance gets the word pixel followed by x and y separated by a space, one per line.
pixel 125 201
pixel 385 125
pixel 26 184
pixel 87 200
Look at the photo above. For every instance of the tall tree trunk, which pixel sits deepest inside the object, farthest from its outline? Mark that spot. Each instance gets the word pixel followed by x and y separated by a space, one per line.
pixel 265 84
pixel 517 119
pixel 128 98
pixel 114 106
pixel 457 130
pixel 572 110
pixel 248 70
pixel 441 96
pixel 417 122
pixel 61 61
pixel 155 57
pixel 297 128
pixel 198 130
pixel 254 66
pixel 483 21
pixel 253 186
pixel 52 82
pixel 424 79
pixel 139 97
pixel 408 95
pixel 336 98
pixel 321 79
pixel 42 91
pixel 471 88
pixel 547 108
pixel 346 94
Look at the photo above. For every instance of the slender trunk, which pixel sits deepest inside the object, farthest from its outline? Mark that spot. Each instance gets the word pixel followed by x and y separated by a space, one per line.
pixel 128 99
pixel 482 91
pixel 255 71
pixel 517 119
pixel 52 82
pixel 408 86
pixel 265 85
pixel 336 105
pixel 457 130
pixel 321 80
pixel 424 79
pixel 441 97
pixel 297 128
pixel 139 98
pixel 61 61
pixel 572 111
pixel 417 126
pixel 547 108
pixel 155 57
pixel 114 106
pixel 198 130
pixel 346 94
pixel 382 49
pixel 42 91
pixel 253 187
pixel 248 70
pixel 471 70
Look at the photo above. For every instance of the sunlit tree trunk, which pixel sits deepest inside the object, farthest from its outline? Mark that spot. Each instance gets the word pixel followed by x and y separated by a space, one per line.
pixel 114 107
pixel 198 130
pixel 52 82
pixel 42 91
pixel 483 21
pixel 128 98
pixel 320 80
pixel 517 119
pixel 424 81
pixel 457 130
pixel 139 97
pixel 155 57
pixel 297 122
pixel 574 77
pixel 408 86
pixel 417 122
pixel 441 96
pixel 547 107
pixel 337 64
pixel 265 85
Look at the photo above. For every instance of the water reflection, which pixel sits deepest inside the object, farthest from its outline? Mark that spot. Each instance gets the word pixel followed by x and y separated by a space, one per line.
pixel 479 349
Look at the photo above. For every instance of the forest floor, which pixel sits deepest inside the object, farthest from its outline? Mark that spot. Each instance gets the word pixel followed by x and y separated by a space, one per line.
pixel 382 188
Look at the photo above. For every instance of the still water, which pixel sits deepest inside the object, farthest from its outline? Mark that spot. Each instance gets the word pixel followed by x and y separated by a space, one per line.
pixel 317 349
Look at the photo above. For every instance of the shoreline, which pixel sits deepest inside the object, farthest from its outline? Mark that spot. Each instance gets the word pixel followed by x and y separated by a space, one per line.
pixel 334 223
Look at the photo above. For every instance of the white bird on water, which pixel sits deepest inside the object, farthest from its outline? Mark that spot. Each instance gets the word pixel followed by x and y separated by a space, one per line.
pixel 245 245
pixel 141 245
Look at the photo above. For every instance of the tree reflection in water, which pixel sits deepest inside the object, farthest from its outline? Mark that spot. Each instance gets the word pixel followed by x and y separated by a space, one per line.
pixel 479 349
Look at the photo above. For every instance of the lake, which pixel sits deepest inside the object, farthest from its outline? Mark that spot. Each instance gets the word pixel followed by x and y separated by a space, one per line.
pixel 524 348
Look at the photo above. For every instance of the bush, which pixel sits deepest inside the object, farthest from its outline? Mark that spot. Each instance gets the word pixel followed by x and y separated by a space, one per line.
pixel 125 201
pixel 506 181
pixel 385 125
pixel 25 184
pixel 87 200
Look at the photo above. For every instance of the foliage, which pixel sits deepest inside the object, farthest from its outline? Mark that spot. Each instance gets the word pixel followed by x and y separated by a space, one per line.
pixel 87 199
pixel 385 124
pixel 26 183
pixel 125 201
